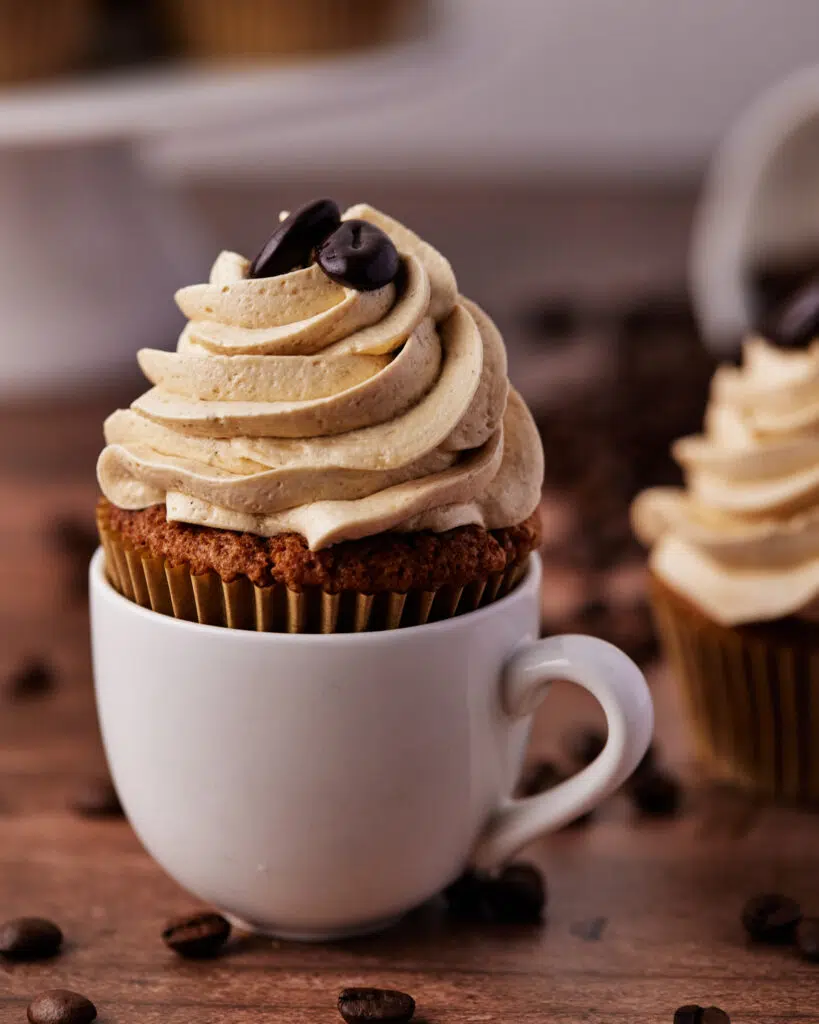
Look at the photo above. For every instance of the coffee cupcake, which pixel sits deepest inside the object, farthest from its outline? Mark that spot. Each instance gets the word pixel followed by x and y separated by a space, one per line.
pixel 735 564
pixel 334 445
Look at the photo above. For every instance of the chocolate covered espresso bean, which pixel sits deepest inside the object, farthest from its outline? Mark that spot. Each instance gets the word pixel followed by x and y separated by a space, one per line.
pixel 359 255
pixel 292 243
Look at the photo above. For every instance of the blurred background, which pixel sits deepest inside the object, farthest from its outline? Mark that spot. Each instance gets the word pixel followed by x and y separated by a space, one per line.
pixel 557 151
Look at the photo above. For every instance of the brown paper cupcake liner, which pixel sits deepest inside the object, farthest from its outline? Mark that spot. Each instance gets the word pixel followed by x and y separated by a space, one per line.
pixel 43 38
pixel 176 591
pixel 282 28
pixel 752 695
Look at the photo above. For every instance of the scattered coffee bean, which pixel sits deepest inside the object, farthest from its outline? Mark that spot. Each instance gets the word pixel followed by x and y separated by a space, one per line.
pixel 799 324
pixel 359 255
pixel 516 896
pixel 690 1014
pixel 555 321
pixel 292 243
pixel 771 918
pixel 29 938
pixel 374 1005
pixel 77 540
pixel 657 315
pixel 714 1015
pixel 468 898
pixel 96 798
pixel 75 536
pixel 60 1006
pixel 655 793
pixel 537 777
pixel 34 678
pixel 698 1015
pixel 197 936
pixel 807 939
pixel 586 745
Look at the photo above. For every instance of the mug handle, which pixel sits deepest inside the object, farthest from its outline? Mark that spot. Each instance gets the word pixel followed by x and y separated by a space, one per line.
pixel 621 689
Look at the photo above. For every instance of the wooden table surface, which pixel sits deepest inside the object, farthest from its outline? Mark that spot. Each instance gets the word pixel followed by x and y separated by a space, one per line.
pixel 669 893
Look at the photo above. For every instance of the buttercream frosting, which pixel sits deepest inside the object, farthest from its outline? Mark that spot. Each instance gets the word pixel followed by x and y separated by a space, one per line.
pixel 741 539
pixel 293 403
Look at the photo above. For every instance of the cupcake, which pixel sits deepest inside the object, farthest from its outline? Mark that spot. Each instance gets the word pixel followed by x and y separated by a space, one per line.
pixel 39 38
pixel 735 564
pixel 334 445
pixel 284 28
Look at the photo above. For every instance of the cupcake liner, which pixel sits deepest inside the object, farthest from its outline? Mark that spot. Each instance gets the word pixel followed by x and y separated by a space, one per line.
pixel 752 695
pixel 280 28
pixel 176 591
pixel 43 38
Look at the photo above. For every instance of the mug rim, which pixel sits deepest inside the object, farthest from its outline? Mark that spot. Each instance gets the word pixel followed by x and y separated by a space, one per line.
pixel 530 583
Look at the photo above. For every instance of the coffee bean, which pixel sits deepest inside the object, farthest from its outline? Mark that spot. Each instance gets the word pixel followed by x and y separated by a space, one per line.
pixel 76 540
pixel 75 537
pixel 34 678
pixel 292 243
pixel 96 798
pixel 714 1015
pixel 468 898
pixel 807 939
pixel 29 938
pixel 197 936
pixel 372 1005
pixel 771 918
pixel 359 255
pixel 586 745
pixel 517 895
pixel 690 1014
pixel 60 1006
pixel 799 324
pixel 556 321
pixel 655 793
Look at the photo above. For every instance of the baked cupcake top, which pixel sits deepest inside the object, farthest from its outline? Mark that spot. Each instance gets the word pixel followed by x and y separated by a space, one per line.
pixel 335 398
pixel 742 539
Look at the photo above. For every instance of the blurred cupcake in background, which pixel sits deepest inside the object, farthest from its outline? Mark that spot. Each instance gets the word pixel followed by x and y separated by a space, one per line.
pixel 735 564
pixel 261 29
pixel 40 38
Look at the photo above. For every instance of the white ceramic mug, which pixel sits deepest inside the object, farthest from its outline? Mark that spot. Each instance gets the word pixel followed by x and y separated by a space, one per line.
pixel 315 787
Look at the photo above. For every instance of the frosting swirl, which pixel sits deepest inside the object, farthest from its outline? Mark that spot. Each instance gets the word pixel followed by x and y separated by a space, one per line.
pixel 742 539
pixel 293 403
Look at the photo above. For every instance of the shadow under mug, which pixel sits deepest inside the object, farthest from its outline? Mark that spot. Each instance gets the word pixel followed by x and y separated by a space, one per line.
pixel 316 787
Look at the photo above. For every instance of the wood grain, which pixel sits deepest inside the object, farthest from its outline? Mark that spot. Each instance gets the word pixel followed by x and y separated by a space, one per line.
pixel 642 916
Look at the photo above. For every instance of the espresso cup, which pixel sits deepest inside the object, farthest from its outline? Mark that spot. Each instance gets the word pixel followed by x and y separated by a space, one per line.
pixel 316 787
